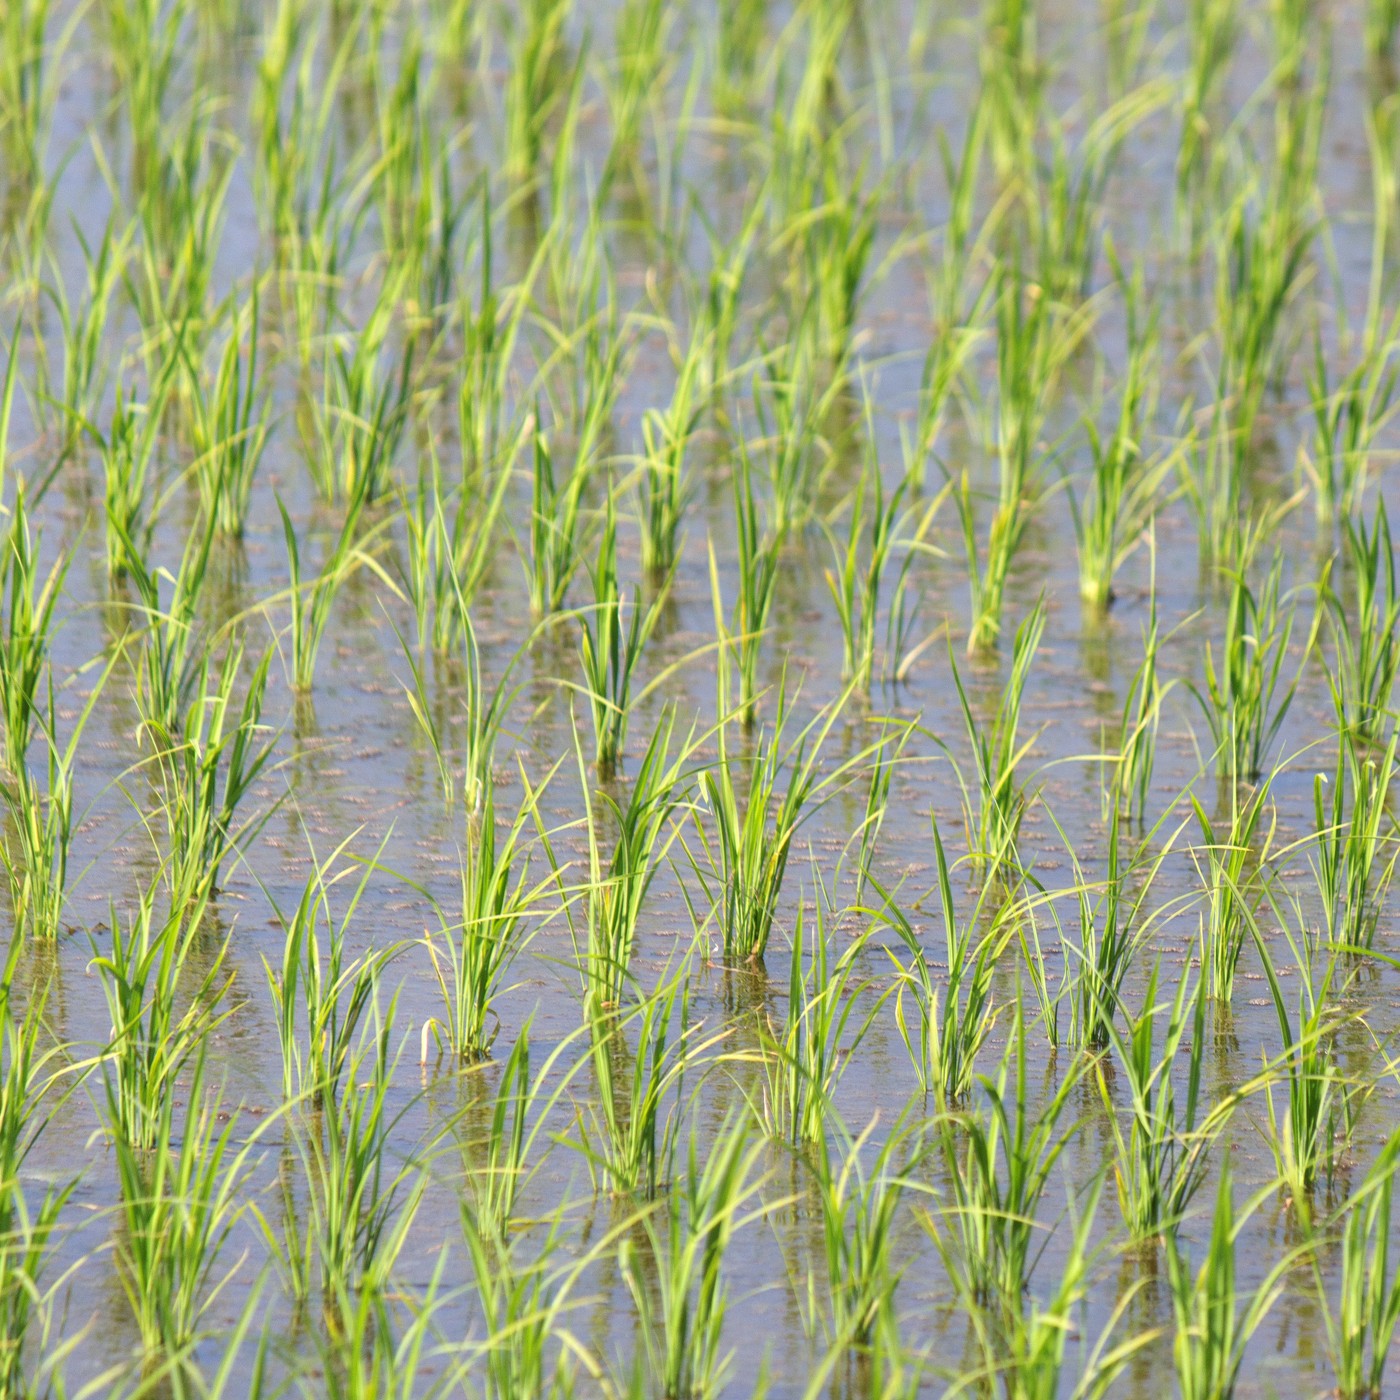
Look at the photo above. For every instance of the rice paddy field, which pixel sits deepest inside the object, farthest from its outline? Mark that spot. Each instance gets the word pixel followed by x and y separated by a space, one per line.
pixel 698 698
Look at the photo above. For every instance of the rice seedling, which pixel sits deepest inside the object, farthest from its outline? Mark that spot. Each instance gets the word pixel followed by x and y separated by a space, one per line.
pixel 230 427
pixel 803 1057
pixel 1366 650
pixel 318 986
pixel 1212 29
pixel 948 1027
pixel 43 820
pixel 1214 1322
pixel 1025 367
pixel 1361 1327
pixel 498 1164
pixel 311 603
pixel 792 406
pixel 1246 696
pixel 152 1041
pixel 1013 80
pixel 1112 928
pixel 859 1214
pixel 1124 483
pixel 83 332
pixel 757 803
pixel 995 808
pixel 1161 1157
pixel 380 1348
pixel 855 584
pixel 205 772
pixel 957 329
pixel 128 451
pixel 483 715
pixel 557 539
pixel 646 828
pixel 31 1093
pixel 1261 265
pixel 753 603
pixel 609 651
pixel 540 80
pixel 1351 865
pixel 877 805
pixel 26 630
pixel 527 1346
pixel 181 1199
pixel 1131 777
pixel 663 490
pixel 360 1206
pixel 644 46
pixel 1235 844
pixel 364 411
pixel 1310 1136
pixel 479 949
pixel 1346 423
pixel 628 1134
pixel 26 89
pixel 683 1330
pixel 999 1160
pixel 450 552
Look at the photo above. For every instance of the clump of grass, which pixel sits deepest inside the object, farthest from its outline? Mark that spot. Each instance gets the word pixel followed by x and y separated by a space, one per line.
pixel 1235 843
pixel 1125 482
pixel 617 884
pixel 1367 651
pixel 950 1025
pixel 1247 695
pixel 610 650
pixel 157 1027
pixel 681 1297
pixel 1161 1158
pixel 859 1210
pixel 480 948
pixel 999 1160
pixel 757 803
pixel 318 987
pixel 181 1199
pixel 1214 1321
pixel 230 426
pixel 803 1057
pixel 995 807
pixel 1361 1328
pixel 1351 864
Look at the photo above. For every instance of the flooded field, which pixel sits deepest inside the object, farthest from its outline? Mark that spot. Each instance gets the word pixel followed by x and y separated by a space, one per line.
pixel 698 699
